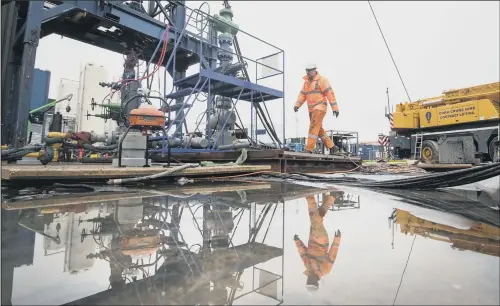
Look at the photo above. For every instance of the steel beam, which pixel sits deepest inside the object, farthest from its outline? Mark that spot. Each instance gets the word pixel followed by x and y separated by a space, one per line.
pixel 57 12
pixel 24 79
pixel 50 21
pixel 9 16
pixel 123 16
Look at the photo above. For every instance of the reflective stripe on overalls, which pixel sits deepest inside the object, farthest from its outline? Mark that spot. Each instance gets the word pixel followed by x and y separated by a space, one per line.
pixel 312 100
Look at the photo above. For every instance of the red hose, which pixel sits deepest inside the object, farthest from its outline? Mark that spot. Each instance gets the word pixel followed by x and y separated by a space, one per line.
pixel 157 65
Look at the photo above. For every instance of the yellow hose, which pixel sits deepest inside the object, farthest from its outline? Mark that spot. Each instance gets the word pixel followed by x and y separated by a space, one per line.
pixel 32 154
pixel 56 135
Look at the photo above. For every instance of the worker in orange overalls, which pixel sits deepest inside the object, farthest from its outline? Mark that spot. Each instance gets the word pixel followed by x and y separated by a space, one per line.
pixel 318 259
pixel 318 93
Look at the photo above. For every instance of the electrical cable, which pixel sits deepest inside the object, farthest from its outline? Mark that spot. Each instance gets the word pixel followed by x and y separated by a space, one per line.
pixel 257 106
pixel 202 28
pixel 390 53
pixel 404 270
pixel 268 115
pixel 158 65
pixel 424 182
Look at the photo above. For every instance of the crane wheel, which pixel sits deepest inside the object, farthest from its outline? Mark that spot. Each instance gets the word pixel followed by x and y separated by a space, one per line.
pixel 430 152
pixel 492 149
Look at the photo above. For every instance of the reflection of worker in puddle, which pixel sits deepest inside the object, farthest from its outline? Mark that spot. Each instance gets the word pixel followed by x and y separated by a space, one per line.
pixel 317 258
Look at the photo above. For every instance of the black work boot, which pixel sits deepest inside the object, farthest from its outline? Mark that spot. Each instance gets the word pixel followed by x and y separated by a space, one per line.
pixel 334 150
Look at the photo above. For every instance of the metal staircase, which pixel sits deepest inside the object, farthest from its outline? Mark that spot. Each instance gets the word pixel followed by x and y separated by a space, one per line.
pixel 221 85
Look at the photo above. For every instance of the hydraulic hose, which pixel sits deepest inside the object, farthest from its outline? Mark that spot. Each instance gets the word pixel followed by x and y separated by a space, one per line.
pixel 90 147
pixel 19 152
pixel 150 177
pixel 258 108
pixel 424 182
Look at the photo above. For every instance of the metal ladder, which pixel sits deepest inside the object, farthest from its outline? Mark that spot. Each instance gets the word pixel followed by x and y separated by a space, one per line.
pixel 418 145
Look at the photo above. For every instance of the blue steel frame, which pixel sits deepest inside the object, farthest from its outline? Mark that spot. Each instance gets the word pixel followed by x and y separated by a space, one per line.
pixel 114 12
pixel 207 74
pixel 40 22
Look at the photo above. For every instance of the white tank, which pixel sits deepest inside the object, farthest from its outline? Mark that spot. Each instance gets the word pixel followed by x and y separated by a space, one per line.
pixel 64 88
pixel 90 76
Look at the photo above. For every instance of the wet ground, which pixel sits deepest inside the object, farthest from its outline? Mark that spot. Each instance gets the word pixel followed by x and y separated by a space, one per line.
pixel 190 245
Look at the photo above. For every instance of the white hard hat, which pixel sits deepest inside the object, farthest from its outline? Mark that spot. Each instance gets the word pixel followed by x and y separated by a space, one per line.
pixel 310 66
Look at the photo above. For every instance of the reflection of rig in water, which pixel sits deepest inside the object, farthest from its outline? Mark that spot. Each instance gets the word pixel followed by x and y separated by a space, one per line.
pixel 481 238
pixel 143 239
pixel 343 200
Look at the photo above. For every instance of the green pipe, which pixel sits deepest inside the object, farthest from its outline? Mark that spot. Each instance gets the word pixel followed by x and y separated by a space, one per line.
pixel 52 102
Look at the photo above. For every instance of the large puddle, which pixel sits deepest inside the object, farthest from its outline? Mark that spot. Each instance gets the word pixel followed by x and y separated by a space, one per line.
pixel 248 244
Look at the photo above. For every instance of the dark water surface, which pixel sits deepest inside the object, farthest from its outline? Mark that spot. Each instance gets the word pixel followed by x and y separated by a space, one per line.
pixel 236 246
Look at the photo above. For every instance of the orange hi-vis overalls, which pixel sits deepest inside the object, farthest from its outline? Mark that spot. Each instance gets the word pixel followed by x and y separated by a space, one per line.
pixel 317 92
pixel 317 258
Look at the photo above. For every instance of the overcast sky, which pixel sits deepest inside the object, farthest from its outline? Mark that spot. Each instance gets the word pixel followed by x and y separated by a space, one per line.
pixel 436 45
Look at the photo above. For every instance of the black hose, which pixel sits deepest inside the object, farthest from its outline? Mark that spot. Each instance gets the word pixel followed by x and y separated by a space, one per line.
pixel 260 113
pixel 448 202
pixel 11 154
pixel 53 140
pixel 100 148
pixel 451 178
pixel 425 182
pixel 90 147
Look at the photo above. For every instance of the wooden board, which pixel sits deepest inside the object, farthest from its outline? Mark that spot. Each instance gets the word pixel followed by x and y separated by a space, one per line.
pixel 84 171
pixel 82 199
pixel 431 167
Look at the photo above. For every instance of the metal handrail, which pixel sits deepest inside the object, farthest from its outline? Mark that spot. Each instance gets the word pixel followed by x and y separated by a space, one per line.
pixel 196 98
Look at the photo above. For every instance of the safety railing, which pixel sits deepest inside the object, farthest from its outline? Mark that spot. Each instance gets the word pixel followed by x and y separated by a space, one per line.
pixel 199 24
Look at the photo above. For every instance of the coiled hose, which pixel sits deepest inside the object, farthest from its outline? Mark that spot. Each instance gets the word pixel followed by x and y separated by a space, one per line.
pixel 424 182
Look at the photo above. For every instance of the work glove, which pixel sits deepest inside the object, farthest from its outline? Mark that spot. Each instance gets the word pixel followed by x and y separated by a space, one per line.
pixel 296 237
pixel 336 114
pixel 295 108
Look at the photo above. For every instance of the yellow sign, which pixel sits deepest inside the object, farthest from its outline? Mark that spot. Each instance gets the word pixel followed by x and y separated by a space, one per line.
pixel 457 113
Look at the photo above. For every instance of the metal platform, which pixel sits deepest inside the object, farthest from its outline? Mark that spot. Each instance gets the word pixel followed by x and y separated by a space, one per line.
pixel 223 85
pixel 279 160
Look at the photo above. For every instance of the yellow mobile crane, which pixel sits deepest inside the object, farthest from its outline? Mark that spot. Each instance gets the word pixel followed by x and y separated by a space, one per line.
pixel 456 127
pixel 480 238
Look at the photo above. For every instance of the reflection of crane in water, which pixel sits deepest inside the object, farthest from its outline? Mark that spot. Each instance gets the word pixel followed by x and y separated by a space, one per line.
pixel 480 238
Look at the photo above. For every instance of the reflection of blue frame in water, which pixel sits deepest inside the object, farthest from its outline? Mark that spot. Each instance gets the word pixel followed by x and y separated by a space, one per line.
pixel 268 281
pixel 153 223
pixel 343 201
